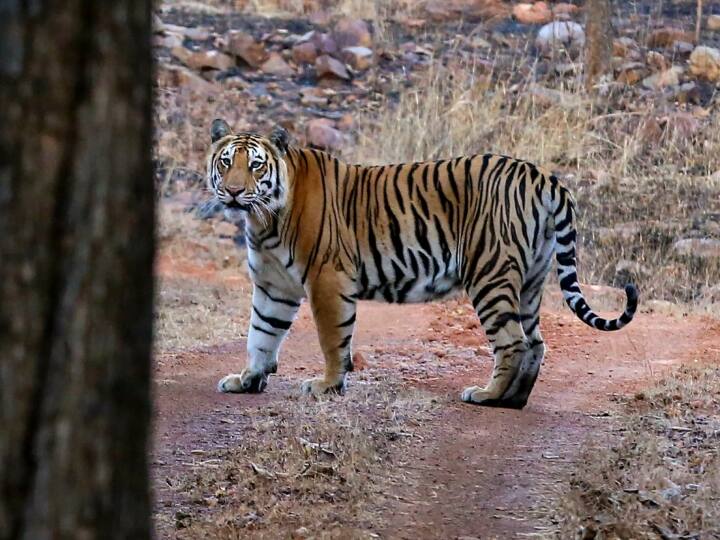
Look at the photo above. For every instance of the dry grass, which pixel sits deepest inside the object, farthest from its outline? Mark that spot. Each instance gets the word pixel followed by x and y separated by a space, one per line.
pixel 661 479
pixel 302 469
pixel 640 185
pixel 204 289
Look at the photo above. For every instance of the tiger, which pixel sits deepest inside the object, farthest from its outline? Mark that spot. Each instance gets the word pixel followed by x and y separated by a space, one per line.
pixel 333 233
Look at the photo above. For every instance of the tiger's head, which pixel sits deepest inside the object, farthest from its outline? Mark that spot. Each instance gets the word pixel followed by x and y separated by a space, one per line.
pixel 247 171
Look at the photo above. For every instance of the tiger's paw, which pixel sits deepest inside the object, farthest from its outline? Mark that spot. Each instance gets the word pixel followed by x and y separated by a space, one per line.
pixel 318 387
pixel 245 382
pixel 479 396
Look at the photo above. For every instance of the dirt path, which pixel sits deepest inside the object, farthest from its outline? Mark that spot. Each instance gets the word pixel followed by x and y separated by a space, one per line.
pixel 472 471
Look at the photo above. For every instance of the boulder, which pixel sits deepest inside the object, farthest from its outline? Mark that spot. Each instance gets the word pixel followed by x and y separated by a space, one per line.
pixel 246 48
pixel 324 43
pixel 358 58
pixel 275 65
pixel 195 33
pixel 698 247
pixel 565 8
pixel 181 77
pixel 352 33
pixel 665 37
pixel 537 13
pixel 304 53
pixel 663 79
pixel 199 60
pixel 626 47
pixel 560 34
pixel 631 73
pixel 713 22
pixel 322 134
pixel 705 63
pixel 326 65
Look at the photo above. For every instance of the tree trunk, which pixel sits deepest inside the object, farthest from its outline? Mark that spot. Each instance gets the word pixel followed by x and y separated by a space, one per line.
pixel 599 41
pixel 76 251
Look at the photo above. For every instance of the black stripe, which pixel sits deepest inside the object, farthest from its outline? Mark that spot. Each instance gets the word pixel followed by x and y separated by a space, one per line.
pixel 276 299
pixel 273 321
pixel 348 322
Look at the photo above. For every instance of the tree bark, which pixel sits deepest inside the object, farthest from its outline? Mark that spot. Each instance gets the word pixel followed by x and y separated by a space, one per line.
pixel 76 252
pixel 598 48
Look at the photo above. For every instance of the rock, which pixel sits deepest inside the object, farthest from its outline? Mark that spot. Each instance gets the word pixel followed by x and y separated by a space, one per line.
pixel 550 96
pixel 246 48
pixel 626 47
pixel 627 271
pixel 326 65
pixel 199 60
pixel 169 41
pixel 705 63
pixel 304 53
pixel 558 34
pixel 359 361
pixel 565 8
pixel 663 79
pixel 275 65
pixel 682 47
pixel 181 77
pixel 324 43
pixel 698 247
pixel 313 96
pixel 537 13
pixel 195 33
pixel 631 73
pixel 322 134
pixel 346 122
pixel 656 61
pixel 713 22
pixel 352 33
pixel 680 126
pixel 358 58
pixel 665 37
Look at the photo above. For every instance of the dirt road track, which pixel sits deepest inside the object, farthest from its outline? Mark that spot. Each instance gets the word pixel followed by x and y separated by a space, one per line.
pixel 478 472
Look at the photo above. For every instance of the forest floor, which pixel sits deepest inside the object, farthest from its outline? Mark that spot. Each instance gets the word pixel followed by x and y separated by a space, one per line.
pixel 620 438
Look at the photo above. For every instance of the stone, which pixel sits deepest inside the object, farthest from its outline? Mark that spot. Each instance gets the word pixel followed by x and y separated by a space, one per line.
pixel 313 96
pixel 537 13
pixel 199 60
pixel 195 33
pixel 631 73
pixel 705 63
pixel 680 126
pixel 181 77
pixel 663 79
pixel 346 122
pixel 168 40
pixel 558 34
pixel 665 37
pixel 360 363
pixel 626 47
pixel 656 61
pixel 352 33
pixel 304 53
pixel 246 48
pixel 565 8
pixel 698 247
pixel 275 65
pixel 321 133
pixel 682 47
pixel 358 58
pixel 551 96
pixel 324 43
pixel 713 22
pixel 326 65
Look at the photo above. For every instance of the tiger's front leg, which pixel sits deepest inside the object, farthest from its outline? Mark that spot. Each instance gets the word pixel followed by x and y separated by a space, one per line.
pixel 334 313
pixel 273 312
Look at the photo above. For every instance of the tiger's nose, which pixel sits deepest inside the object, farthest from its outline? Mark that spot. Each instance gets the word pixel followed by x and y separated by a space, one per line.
pixel 234 191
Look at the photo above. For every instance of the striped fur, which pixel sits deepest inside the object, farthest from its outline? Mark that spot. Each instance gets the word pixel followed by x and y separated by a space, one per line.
pixel 336 233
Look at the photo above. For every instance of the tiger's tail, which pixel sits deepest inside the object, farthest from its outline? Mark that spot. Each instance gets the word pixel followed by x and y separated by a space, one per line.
pixel 563 210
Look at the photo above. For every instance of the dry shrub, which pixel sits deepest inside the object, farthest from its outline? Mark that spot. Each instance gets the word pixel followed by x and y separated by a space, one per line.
pixel 641 183
pixel 318 465
pixel 662 477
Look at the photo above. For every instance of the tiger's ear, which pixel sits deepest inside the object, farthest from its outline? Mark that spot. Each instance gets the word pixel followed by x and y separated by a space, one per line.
pixel 219 129
pixel 280 138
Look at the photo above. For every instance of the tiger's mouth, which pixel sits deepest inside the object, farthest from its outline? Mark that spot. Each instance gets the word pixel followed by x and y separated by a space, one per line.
pixel 235 205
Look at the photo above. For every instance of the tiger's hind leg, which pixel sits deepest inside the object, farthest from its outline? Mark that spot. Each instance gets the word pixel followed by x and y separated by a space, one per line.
pixel 517 394
pixel 500 317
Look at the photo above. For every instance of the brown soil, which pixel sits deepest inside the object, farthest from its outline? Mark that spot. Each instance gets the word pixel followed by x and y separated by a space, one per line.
pixel 469 471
